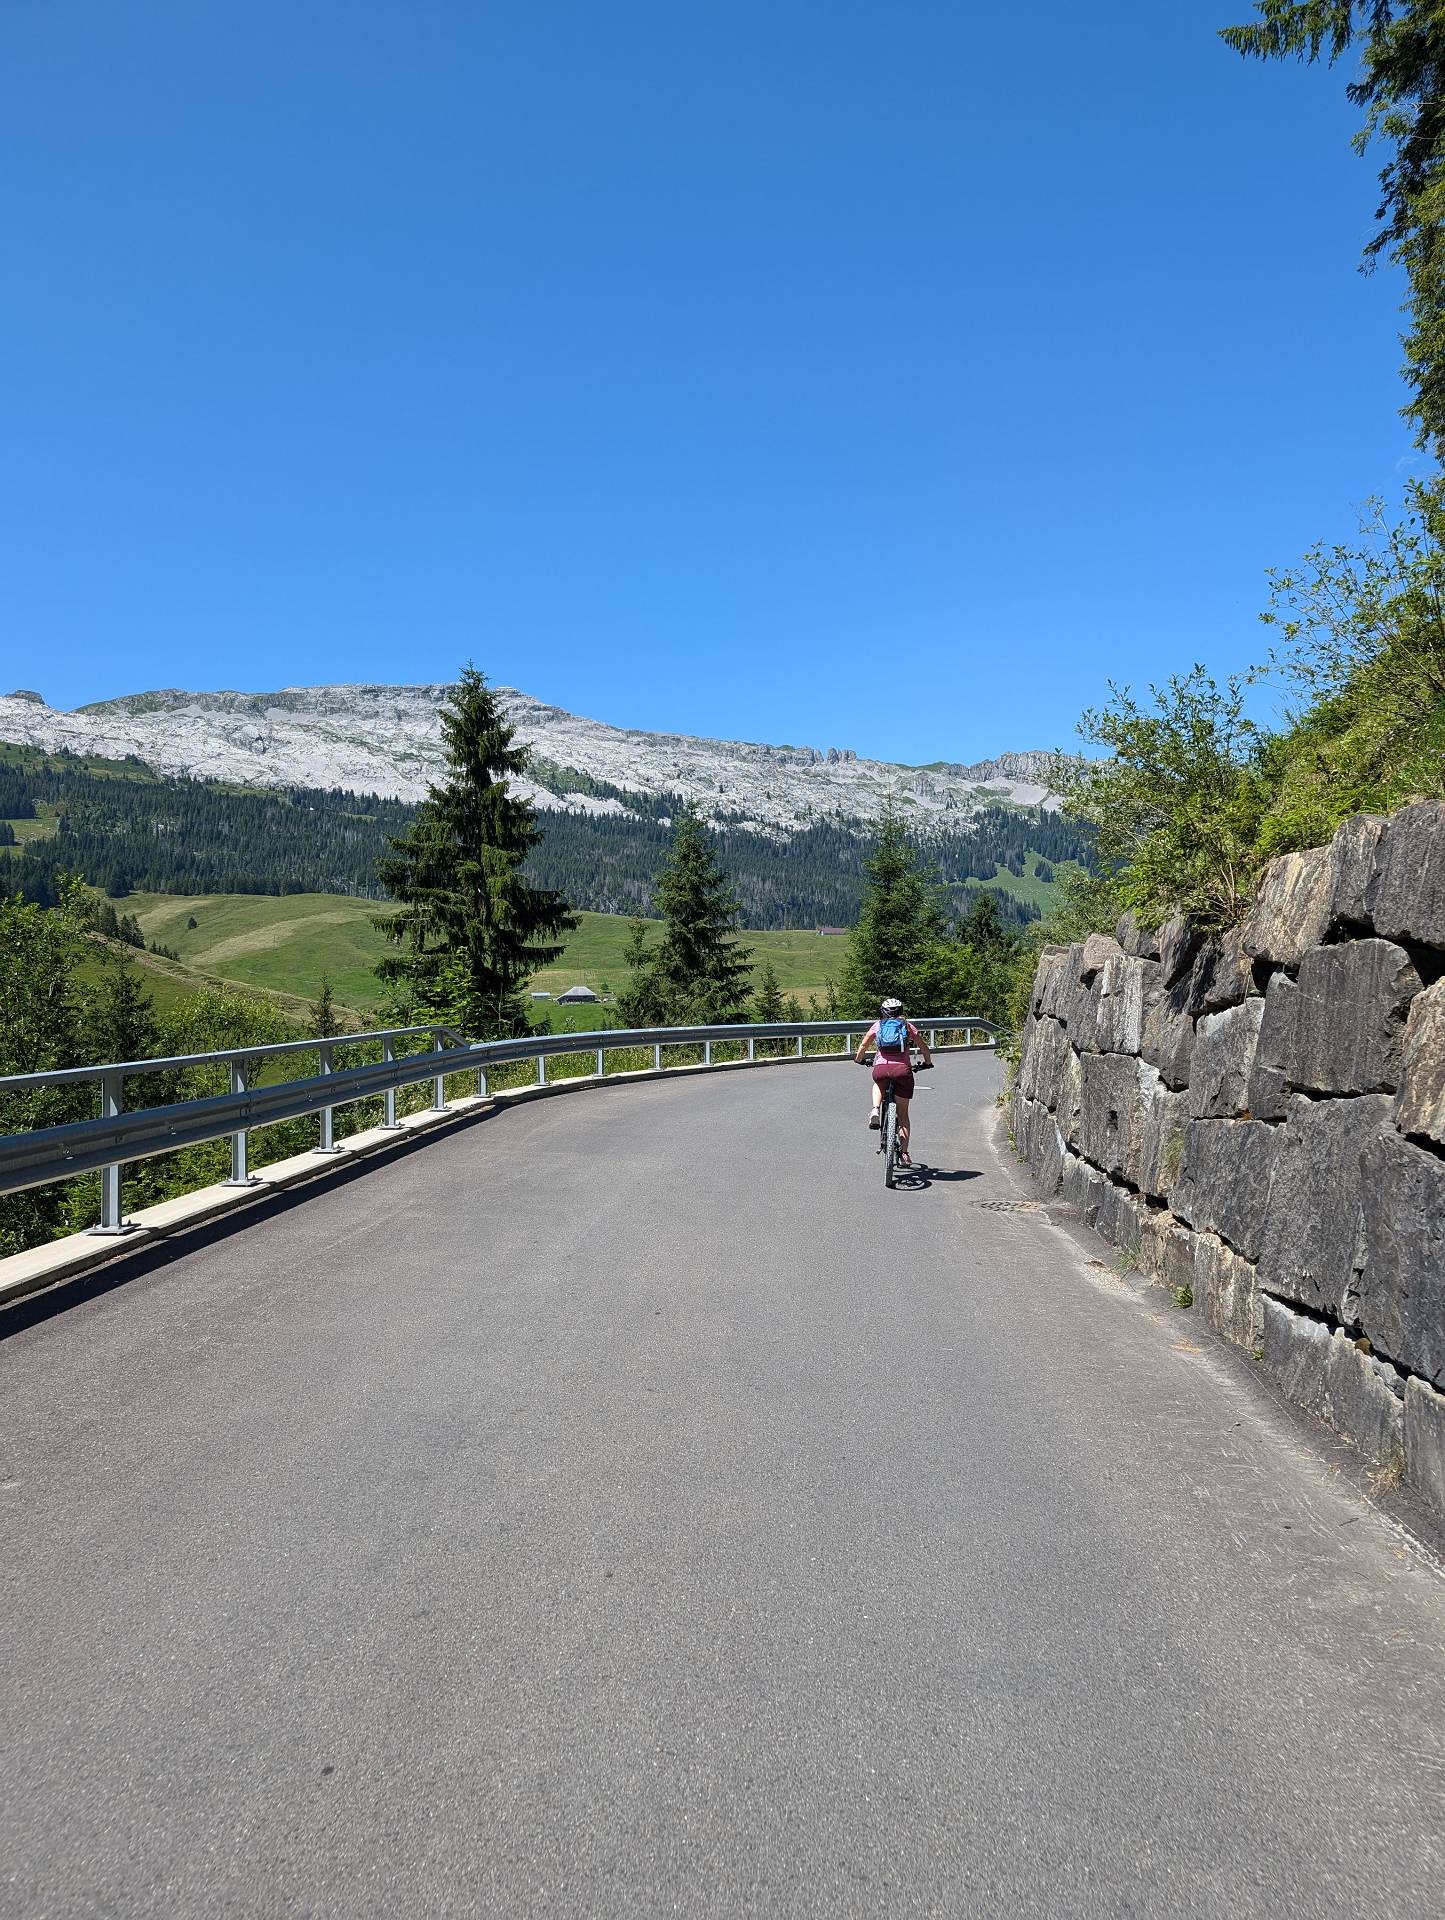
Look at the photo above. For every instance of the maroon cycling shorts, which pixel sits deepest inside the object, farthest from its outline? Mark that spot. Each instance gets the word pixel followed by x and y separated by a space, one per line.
pixel 899 1072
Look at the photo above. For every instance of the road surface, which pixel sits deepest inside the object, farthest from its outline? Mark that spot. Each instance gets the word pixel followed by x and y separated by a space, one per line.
pixel 623 1506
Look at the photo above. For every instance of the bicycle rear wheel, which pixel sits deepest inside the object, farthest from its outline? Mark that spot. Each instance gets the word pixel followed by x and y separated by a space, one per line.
pixel 890 1142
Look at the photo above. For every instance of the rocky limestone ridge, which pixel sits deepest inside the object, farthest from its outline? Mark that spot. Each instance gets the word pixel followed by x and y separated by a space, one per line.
pixel 387 740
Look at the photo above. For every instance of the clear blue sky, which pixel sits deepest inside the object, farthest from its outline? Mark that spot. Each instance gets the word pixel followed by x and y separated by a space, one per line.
pixel 851 374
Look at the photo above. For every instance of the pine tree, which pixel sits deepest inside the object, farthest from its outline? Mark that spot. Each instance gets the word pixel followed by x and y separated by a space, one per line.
pixel 120 1018
pixel 901 924
pixel 1399 79
pixel 471 929
pixel 323 1011
pixel 696 974
pixel 768 1000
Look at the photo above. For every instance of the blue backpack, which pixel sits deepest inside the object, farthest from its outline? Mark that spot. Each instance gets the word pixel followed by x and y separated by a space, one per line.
pixel 893 1033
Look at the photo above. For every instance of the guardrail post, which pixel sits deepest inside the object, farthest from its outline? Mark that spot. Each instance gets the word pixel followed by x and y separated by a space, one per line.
pixel 389 1120
pixel 240 1174
pixel 657 1056
pixel 541 1069
pixel 752 1048
pixel 601 1065
pixel 439 1085
pixel 112 1106
pixel 481 1083
pixel 800 1046
pixel 707 1053
pixel 327 1143
pixel 932 1038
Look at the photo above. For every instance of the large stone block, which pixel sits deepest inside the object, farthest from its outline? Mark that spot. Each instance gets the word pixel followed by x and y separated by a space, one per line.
pixel 1292 911
pixel 1047 1159
pixel 1420 1108
pixel 1099 950
pixel 1038 1141
pixel 1352 865
pixel 1221 976
pixel 1349 1018
pixel 1312 1228
pixel 1136 940
pixel 1399 1287
pixel 1079 1000
pixel 1069 1106
pixel 1405 899
pixel 1167 1040
pixel 1126 988
pixel 1117 1092
pixel 1224 1181
pixel 1178 1256
pixel 1041 1058
pixel 1083 1187
pixel 1161 1145
pixel 1050 965
pixel 1024 1112
pixel 1219 1073
pixel 1425 1444
pixel 1113 1218
pixel 1052 983
pixel 1150 1224
pixel 1178 943
pixel 1026 1041
pixel 1225 1292
pixel 1326 1372
pixel 1268 1093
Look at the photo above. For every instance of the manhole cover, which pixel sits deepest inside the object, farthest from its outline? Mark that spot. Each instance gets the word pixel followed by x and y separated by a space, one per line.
pixel 1009 1206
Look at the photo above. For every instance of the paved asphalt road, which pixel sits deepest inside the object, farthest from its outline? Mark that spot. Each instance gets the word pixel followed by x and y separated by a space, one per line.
pixel 623 1506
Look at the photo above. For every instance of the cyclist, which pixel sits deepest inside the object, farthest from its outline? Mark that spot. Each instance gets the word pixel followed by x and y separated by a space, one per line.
pixel 894 1061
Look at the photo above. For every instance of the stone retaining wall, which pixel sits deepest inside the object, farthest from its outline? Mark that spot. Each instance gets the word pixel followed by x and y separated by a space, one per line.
pixel 1259 1118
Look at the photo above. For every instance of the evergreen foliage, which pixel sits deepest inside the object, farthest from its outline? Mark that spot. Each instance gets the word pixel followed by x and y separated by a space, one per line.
pixel 41 952
pixel 906 943
pixel 1401 87
pixel 324 1023
pixel 471 928
pixel 696 974
pixel 902 921
pixel 768 999
pixel 120 1022
pixel 129 832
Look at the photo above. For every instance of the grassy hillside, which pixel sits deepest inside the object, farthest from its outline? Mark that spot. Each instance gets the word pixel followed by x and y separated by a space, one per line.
pixel 284 943
pixel 169 982
pixel 1028 886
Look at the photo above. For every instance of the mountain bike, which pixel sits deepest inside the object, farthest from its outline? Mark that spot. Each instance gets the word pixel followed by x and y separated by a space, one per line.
pixel 888 1121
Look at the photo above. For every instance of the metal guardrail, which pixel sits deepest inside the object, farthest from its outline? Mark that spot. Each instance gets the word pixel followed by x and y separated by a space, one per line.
pixel 118 1135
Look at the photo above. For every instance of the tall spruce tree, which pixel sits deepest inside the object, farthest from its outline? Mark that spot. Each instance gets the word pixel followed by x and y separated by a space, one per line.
pixel 1400 84
pixel 323 1010
pixel 470 927
pixel 120 1022
pixel 768 1000
pixel 901 923
pixel 696 974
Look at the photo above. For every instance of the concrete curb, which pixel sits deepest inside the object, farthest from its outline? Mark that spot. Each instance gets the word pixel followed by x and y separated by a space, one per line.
pixel 58 1260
